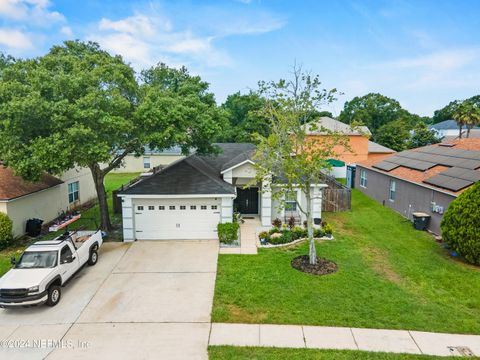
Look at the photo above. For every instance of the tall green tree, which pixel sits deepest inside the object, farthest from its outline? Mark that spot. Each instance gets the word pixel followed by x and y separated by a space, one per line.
pixel 446 113
pixel 373 110
pixel 394 135
pixel 243 118
pixel 422 136
pixel 80 106
pixel 287 157
pixel 467 113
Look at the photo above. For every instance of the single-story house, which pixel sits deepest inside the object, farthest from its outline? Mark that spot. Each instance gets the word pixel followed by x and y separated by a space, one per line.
pixel 449 130
pixel 425 179
pixel 360 147
pixel 187 199
pixel 149 160
pixel 46 199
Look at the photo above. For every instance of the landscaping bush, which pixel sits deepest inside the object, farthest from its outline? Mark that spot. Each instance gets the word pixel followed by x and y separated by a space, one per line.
pixel 281 238
pixel 228 232
pixel 273 230
pixel 460 224
pixel 277 223
pixel 328 229
pixel 291 222
pixel 299 232
pixel 318 233
pixel 6 226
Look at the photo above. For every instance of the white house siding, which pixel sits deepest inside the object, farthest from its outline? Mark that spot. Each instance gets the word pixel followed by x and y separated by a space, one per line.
pixel 132 164
pixel 49 203
pixel 45 205
pixel 246 170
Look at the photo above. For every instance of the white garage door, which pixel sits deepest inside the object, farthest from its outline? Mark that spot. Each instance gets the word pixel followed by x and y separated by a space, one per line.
pixel 176 219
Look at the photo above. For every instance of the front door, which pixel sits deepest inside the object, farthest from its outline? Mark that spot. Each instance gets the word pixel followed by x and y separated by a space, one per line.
pixel 247 201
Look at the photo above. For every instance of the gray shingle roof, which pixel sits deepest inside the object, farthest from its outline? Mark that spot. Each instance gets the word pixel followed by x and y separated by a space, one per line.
pixel 447 125
pixel 195 174
pixel 373 147
pixel 337 126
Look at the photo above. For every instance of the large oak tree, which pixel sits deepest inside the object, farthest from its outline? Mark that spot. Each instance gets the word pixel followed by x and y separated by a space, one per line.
pixel 80 106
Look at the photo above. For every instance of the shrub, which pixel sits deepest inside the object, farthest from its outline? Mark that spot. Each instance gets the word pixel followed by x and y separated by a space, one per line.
pixel 328 229
pixel 318 233
pixel 277 223
pixel 6 226
pixel 228 232
pixel 281 238
pixel 291 222
pixel 299 232
pixel 460 224
pixel 273 230
pixel 264 235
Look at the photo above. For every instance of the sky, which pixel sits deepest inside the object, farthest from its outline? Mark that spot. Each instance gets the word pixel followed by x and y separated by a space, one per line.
pixel 422 53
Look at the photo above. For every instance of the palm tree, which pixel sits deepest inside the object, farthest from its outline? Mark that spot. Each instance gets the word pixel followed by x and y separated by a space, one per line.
pixel 466 114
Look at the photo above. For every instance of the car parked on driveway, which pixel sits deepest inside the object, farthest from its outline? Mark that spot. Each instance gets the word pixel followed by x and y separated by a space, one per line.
pixel 46 266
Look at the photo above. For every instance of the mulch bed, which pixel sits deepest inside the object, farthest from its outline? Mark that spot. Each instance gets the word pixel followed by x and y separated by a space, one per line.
pixel 322 267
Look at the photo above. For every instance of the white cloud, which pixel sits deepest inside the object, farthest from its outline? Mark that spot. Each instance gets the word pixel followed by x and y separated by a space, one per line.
pixel 67 31
pixel 439 61
pixel 31 11
pixel 15 39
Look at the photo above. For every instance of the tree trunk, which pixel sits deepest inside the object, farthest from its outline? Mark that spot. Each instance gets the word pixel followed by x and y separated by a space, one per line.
pixel 98 177
pixel 312 249
pixel 468 130
pixel 460 131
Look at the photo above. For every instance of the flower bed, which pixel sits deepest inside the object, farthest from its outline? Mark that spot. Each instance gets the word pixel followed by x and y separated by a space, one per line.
pixel 286 236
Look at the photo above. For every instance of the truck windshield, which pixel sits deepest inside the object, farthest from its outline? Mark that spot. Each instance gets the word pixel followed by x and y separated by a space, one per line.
pixel 37 260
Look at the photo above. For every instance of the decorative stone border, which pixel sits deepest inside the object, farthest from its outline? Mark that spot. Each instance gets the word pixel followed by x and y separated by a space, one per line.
pixel 293 242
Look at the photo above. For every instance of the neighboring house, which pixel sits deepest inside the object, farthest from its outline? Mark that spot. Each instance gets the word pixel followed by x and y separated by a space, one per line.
pixel 187 199
pixel 46 199
pixel 149 160
pixel 426 179
pixel 360 148
pixel 448 130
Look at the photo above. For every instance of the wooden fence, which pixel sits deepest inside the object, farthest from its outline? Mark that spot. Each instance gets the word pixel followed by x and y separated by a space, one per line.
pixel 337 197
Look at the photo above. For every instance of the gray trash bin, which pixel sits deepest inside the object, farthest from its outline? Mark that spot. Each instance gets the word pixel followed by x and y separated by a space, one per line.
pixel 420 220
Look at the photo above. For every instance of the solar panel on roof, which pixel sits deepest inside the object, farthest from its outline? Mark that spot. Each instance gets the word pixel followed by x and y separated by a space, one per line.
pixel 460 173
pixel 457 184
pixel 385 165
pixel 437 180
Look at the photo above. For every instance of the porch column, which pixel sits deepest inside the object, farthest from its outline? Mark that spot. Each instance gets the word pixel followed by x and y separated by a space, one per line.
pixel 127 219
pixel 266 212
pixel 317 204
pixel 227 210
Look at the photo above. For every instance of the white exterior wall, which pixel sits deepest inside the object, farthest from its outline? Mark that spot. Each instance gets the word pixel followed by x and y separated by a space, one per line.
pixel 266 210
pixel 246 170
pixel 227 210
pixel 48 204
pixel 128 219
pixel 132 164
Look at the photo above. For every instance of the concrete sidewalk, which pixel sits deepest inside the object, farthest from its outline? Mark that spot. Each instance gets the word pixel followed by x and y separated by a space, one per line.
pixel 320 337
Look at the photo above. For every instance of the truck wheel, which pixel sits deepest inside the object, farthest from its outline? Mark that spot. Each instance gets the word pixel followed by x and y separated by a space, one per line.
pixel 54 295
pixel 92 260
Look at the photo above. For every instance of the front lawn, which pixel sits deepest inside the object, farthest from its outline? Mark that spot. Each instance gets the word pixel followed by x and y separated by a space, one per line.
pixel 390 276
pixel 90 220
pixel 251 353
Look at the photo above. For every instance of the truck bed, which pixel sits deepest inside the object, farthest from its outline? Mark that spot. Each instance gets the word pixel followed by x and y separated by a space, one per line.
pixel 80 237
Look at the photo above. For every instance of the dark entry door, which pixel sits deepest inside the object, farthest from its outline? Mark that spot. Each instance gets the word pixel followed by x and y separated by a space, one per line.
pixel 247 201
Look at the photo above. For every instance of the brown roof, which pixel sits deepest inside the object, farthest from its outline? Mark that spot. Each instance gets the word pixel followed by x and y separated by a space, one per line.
pixel 418 176
pixel 12 186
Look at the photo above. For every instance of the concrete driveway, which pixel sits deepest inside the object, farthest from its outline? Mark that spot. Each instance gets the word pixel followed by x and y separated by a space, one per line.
pixel 150 300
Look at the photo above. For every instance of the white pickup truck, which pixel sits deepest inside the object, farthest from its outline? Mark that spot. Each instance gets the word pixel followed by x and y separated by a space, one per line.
pixel 46 266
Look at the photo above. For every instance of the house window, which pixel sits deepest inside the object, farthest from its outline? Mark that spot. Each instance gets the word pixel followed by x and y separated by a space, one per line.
pixel 214 207
pixel 193 207
pixel 172 207
pixel 182 207
pixel 204 207
pixel 291 201
pixel 363 178
pixel 161 207
pixel 392 192
pixel 140 207
pixel 146 162
pixel 151 207
pixel 73 192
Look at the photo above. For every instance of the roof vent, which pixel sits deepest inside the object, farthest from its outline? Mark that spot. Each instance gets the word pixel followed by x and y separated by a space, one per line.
pixel 447 145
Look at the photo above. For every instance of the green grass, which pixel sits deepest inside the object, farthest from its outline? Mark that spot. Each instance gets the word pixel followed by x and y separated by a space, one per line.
pixel 90 220
pixel 251 353
pixel 390 276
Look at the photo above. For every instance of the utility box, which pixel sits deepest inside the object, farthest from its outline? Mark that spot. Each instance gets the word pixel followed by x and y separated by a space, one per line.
pixel 420 220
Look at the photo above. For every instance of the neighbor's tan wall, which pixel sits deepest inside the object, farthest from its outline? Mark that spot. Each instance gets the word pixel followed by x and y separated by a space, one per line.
pixel 45 205
pixel 87 190
pixel 135 164
pixel 3 207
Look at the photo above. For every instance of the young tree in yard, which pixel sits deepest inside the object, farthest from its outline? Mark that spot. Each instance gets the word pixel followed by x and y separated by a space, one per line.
pixel 80 106
pixel 288 157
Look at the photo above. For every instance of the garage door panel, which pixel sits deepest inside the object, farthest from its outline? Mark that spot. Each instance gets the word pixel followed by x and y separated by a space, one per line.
pixel 176 219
